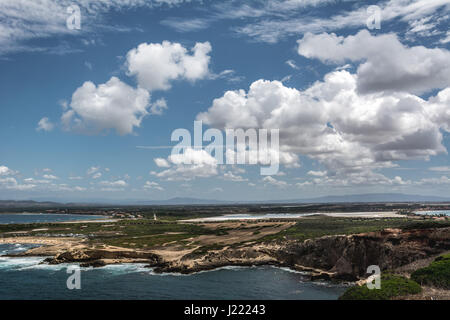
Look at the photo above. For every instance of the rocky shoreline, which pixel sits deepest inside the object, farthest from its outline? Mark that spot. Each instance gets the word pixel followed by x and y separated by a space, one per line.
pixel 338 257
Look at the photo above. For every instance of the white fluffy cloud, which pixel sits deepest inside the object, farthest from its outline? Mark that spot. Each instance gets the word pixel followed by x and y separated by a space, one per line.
pixel 188 165
pixel 112 105
pixel 114 184
pixel 274 182
pixel 387 65
pixel 150 185
pixel 156 65
pixel 5 171
pixel 92 170
pixel 162 163
pixel 45 125
pixel 334 123
pixel 158 107
pixel 11 183
pixel 230 176
pixel 356 178
pixel 116 105
pixel 50 177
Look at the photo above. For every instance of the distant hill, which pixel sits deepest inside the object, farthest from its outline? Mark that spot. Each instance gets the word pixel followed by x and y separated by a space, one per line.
pixel 25 204
pixel 355 198
pixel 372 197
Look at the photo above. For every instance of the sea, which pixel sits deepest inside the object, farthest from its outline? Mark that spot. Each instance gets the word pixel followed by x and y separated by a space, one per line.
pixel 28 278
pixel 14 218
pixel 434 213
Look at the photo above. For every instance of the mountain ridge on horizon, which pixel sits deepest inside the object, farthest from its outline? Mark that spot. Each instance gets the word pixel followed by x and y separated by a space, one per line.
pixel 353 198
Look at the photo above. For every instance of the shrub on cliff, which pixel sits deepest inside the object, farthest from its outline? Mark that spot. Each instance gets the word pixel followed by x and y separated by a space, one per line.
pixel 391 286
pixel 437 274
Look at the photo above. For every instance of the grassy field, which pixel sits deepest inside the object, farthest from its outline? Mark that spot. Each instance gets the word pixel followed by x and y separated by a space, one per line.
pixel 148 233
pixel 391 286
pixel 437 274
pixel 133 234
pixel 318 226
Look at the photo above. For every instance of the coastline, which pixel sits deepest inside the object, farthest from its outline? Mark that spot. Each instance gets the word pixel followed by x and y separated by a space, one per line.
pixel 330 258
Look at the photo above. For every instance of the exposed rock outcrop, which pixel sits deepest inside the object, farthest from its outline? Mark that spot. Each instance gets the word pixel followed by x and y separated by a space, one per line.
pixel 99 257
pixel 332 257
pixel 349 256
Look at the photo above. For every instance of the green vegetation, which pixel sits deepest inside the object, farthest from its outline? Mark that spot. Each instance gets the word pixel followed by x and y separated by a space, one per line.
pixel 437 274
pixel 318 226
pixel 203 250
pixel 146 233
pixel 127 233
pixel 391 286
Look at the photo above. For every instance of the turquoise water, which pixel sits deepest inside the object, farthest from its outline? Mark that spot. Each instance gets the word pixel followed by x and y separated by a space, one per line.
pixel 41 217
pixel 27 278
pixel 434 213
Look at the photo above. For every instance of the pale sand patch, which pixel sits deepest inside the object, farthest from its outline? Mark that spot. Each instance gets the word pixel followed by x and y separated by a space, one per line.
pixel 385 214
pixel 268 217
pixel 39 240
pixel 172 254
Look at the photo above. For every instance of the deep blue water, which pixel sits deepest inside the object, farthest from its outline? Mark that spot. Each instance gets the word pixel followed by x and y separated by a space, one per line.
pixel 26 278
pixel 41 217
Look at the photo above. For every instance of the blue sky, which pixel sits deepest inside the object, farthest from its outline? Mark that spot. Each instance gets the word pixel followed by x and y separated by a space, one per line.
pixel 88 113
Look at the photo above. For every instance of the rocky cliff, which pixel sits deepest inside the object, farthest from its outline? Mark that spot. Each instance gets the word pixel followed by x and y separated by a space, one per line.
pixel 344 257
pixel 347 257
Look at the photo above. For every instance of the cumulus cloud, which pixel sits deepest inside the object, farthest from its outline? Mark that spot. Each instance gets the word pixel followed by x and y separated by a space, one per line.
pixel 5 171
pixel 230 176
pixel 115 105
pixel 11 183
pixel 97 175
pixel 50 177
pixel 334 123
pixel 188 165
pixel 45 125
pixel 385 63
pixel 36 181
pixel 156 65
pixel 149 185
pixel 274 182
pixel 365 177
pixel 158 107
pixel 112 105
pixel 162 163
pixel 317 173
pixel 118 183
pixel 113 186
pixel 92 170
